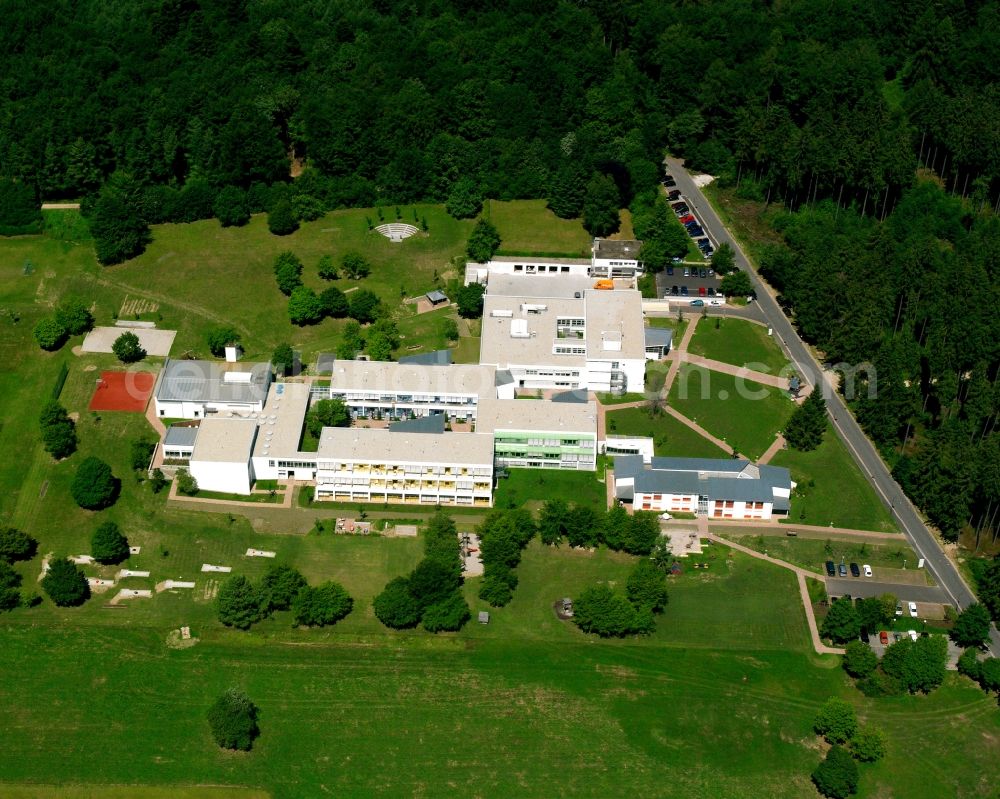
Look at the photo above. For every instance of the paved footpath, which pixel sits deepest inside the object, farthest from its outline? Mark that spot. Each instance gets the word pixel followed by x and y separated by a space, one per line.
pixel 805 530
pixel 800 574
pixel 676 353
pixel 774 449
pixel 701 431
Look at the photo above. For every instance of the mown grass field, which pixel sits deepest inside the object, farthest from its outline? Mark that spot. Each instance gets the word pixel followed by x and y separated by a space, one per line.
pixel 536 485
pixel 738 342
pixel 670 437
pixel 528 226
pixel 811 553
pixel 746 414
pixel 832 490
pixel 718 702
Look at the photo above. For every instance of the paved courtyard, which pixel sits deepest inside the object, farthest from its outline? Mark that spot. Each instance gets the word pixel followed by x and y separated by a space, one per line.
pixel 154 342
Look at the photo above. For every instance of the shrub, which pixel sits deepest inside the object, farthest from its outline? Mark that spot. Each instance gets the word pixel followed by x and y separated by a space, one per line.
pixel 599 610
pixel 218 338
pixel 989 674
pixel 972 628
pixel 280 585
pixel 321 605
pixel 334 303
pixel 304 307
pixel 495 590
pixel 127 348
pixel 880 684
pixel 58 430
pixel 859 660
pixel 65 584
pixel 140 454
pixel 186 484
pixel 869 745
pixel 447 615
pixel 16 545
pixel 355 266
pixel 281 220
pixel 836 721
pixel 968 663
pixel 364 306
pixel 288 272
pixel 108 545
pixel 10 581
pixel 74 316
pixel 157 481
pixel 94 487
pixel 326 268
pixel 395 607
pixel 307 208
pixel 239 604
pixel 231 207
pixel 837 776
pixel 49 334
pixel 233 721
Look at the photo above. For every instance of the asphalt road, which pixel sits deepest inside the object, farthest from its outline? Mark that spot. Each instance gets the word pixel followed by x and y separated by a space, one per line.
pixel 920 537
pixel 860 587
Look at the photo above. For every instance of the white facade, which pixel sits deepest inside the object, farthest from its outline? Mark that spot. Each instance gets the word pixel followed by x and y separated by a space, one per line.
pixel 615 258
pixel 628 445
pixel 221 458
pixel 231 477
pixel 197 389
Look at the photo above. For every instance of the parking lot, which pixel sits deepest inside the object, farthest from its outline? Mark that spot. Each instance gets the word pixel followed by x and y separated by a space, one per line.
pixel 665 281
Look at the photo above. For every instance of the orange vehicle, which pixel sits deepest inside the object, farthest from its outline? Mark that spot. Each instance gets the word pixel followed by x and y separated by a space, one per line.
pixel 604 285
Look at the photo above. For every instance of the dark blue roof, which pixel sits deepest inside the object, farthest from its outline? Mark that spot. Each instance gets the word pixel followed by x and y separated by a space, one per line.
pixel 733 465
pixel 579 395
pixel 435 358
pixel 433 423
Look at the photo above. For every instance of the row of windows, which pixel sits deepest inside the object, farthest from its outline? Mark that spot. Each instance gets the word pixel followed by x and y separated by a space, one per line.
pixel 540 268
pixel 549 373
pixel 293 464
pixel 568 322
pixel 570 350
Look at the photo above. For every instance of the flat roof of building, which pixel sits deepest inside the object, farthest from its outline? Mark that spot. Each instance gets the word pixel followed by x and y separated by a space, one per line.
pixel 386 376
pixel 538 259
pixel 213 381
pixel 624 249
pixel 224 440
pixel 538 285
pixel 522 330
pixel 281 421
pixel 324 363
pixel 379 445
pixel 536 416
pixel 433 358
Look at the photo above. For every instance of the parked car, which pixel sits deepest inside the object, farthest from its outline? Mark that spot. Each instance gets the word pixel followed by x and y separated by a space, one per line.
pixel 867 570
pixel 864 636
pixel 711 291
pixel 673 194
pixel 708 252
pixel 684 291
pixel 675 290
pixel 912 634
pixel 896 636
pixel 913 609
pixel 695 231
pixel 688 218
pixel 703 273
pixel 680 209
pixel 676 259
pixel 701 291
pixel 697 303
pixel 831 570
pixel 715 302
pixel 899 609
pixel 883 638
pixel 855 571
pixel 678 205
pixel 842 570
pixel 670 270
pixel 687 272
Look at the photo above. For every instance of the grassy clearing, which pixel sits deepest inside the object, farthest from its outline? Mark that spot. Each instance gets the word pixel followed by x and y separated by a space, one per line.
pixel 128 792
pixel 745 414
pixel 527 226
pixel 531 487
pixel 670 437
pixel 810 553
pixel 424 332
pixel 832 490
pixel 738 342
pixel 672 322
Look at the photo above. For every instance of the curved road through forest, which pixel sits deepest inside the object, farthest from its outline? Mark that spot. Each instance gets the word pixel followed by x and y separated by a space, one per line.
pixel 920 537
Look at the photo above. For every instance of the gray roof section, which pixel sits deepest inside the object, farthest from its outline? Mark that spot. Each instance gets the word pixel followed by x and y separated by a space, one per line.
pixel 625 249
pixel 436 296
pixel 579 395
pixel 435 358
pixel 650 481
pixel 222 440
pixel 432 423
pixel 324 363
pixel 205 381
pixel 180 436
pixel 659 337
pixel 628 466
pixel 733 465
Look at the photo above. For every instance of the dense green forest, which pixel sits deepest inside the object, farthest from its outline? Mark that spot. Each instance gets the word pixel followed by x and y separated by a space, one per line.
pixel 176 110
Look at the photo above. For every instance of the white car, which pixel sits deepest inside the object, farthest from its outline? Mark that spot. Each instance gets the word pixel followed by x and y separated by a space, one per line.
pixel 912 634
pixel 666 517
pixel 913 609
pixel 867 570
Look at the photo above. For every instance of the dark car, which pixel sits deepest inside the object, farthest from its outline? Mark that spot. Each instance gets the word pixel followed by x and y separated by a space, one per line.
pixel 679 207
pixel 670 270
pixel 703 242
pixel 865 637
pixel 675 290
pixel 842 570
pixel 855 571
pixel 674 194
pixel 669 182
pixel 831 569
pixel 703 273
pixel 695 231
pixel 711 292
pixel 684 291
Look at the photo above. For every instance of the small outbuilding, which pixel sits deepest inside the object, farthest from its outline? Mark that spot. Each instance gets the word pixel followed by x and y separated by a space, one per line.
pixel 436 297
pixel 484 617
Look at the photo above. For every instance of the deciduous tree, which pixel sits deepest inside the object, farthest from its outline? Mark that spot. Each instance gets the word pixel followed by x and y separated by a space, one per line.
pixel 233 721
pixel 127 348
pixel 239 603
pixel 108 545
pixel 836 721
pixel 321 605
pixel 94 487
pixel 65 584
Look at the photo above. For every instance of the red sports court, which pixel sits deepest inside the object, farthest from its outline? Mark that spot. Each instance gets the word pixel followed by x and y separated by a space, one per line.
pixel 122 391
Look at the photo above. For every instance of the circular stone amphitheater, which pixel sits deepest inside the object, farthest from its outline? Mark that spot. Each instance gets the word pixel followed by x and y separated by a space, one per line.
pixel 397 231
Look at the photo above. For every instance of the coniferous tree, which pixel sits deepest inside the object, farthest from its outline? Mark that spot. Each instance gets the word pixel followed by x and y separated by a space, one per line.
pixel 805 429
